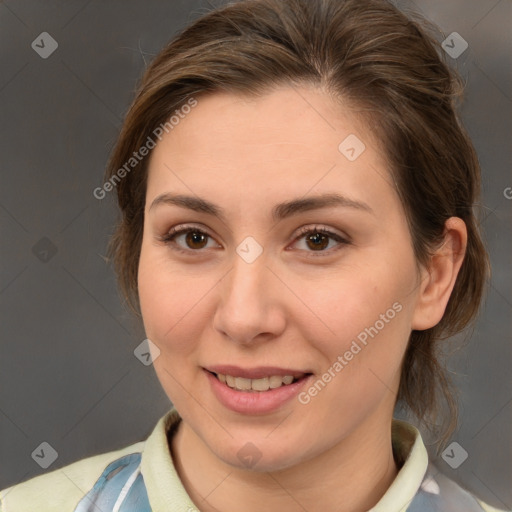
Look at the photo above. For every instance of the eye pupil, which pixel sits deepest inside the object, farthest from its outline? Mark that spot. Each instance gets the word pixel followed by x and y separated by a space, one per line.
pixel 194 237
pixel 319 240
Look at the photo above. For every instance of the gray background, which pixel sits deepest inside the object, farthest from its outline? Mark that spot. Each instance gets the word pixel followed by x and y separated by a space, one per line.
pixel 68 374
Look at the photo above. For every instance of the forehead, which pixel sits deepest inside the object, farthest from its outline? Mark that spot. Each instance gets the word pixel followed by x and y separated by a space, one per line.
pixel 314 122
pixel 288 142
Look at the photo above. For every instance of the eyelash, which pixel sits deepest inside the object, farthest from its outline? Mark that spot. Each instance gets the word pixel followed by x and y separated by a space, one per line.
pixel 169 237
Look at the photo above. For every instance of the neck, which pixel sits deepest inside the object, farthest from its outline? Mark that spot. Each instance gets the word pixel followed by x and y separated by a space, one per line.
pixel 351 476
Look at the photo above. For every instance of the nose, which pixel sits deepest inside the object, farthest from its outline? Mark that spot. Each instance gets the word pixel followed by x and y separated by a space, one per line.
pixel 251 300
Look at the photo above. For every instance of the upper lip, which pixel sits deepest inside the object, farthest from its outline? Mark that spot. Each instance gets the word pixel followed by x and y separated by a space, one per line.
pixel 257 372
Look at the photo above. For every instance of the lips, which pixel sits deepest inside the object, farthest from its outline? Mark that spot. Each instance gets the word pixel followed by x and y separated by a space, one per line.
pixel 231 388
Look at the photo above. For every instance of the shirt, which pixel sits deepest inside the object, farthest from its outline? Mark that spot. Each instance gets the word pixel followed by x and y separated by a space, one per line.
pixel 142 477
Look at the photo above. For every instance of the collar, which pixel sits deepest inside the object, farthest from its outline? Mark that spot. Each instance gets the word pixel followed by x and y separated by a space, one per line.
pixel 408 447
pixel 166 492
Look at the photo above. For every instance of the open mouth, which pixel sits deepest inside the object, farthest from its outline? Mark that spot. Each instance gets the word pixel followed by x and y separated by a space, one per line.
pixel 258 385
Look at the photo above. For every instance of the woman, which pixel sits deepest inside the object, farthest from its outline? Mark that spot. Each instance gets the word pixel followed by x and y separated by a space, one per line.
pixel 297 235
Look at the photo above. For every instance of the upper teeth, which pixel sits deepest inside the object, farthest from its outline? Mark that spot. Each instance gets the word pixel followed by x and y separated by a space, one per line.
pixel 243 384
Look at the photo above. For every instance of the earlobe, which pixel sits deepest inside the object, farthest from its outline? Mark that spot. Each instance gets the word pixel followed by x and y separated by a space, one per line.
pixel 438 280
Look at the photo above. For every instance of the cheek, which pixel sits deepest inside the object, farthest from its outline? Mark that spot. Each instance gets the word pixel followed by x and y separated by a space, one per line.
pixel 171 301
pixel 368 311
pixel 361 360
pixel 358 303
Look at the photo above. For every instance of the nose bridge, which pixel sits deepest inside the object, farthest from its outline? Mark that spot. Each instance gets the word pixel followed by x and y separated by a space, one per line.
pixel 246 307
pixel 247 277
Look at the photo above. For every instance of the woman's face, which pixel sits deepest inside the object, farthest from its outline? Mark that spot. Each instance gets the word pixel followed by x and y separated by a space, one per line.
pixel 263 293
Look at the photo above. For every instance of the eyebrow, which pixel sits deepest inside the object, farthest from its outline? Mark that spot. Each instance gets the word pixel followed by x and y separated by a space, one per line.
pixel 279 211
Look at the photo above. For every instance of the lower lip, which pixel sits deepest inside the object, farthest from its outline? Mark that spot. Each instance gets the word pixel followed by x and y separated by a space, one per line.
pixel 255 402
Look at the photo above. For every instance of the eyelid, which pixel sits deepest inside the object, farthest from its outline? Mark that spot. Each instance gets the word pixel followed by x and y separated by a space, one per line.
pixel 180 229
pixel 318 228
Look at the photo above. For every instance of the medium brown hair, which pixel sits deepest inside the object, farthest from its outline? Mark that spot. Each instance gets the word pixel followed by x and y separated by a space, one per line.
pixel 370 54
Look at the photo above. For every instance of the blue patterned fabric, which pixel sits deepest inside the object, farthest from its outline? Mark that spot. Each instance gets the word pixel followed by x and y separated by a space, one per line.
pixel 437 493
pixel 107 490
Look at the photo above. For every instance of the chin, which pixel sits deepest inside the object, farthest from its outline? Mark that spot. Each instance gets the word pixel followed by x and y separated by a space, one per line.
pixel 258 455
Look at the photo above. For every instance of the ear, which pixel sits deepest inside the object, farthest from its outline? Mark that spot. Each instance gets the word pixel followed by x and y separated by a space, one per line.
pixel 438 279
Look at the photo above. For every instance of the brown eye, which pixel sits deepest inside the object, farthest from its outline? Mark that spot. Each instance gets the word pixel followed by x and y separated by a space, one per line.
pixel 194 239
pixel 317 240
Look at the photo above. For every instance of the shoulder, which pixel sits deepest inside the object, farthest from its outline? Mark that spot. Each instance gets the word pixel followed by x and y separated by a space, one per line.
pixel 63 488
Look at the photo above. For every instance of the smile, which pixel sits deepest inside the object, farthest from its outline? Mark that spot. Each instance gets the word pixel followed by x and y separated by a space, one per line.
pixel 258 391
pixel 263 384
